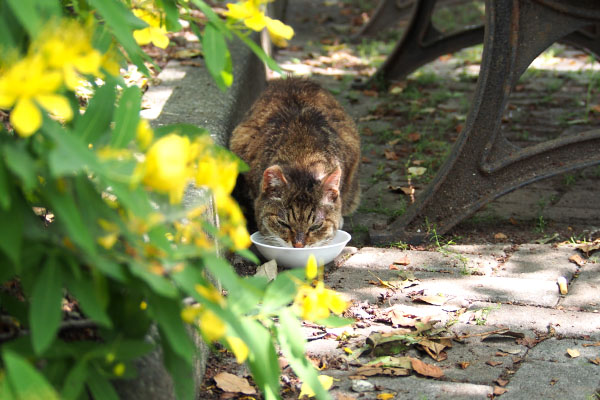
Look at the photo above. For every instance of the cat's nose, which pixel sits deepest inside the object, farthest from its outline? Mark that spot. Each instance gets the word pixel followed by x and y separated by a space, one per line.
pixel 299 240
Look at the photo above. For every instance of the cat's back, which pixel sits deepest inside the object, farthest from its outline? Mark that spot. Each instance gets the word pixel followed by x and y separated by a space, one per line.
pixel 285 103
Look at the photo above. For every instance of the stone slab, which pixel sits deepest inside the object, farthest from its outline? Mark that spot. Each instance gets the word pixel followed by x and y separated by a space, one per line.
pixel 548 372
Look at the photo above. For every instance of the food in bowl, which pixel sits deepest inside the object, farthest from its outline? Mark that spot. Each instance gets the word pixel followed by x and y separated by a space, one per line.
pixel 292 257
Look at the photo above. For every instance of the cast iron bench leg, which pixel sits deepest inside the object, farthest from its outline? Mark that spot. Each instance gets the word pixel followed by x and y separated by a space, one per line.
pixel 483 164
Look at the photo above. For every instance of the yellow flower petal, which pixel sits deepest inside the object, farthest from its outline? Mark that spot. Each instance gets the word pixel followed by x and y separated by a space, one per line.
pixel 212 326
pixel 167 168
pixel 279 29
pixel 144 134
pixel 142 36
pixel 159 38
pixel 241 11
pixel 311 267
pixel 256 22
pixel 108 241
pixel 326 382
pixel 56 105
pixel 26 118
pixel 239 348
pixel 89 63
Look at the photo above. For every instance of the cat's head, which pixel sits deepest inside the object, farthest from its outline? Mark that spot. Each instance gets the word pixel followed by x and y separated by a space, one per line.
pixel 298 208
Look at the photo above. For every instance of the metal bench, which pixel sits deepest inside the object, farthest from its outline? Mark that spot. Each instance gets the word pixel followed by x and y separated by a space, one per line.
pixel 483 164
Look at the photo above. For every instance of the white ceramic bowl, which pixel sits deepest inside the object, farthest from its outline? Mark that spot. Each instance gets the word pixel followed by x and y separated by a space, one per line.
pixel 291 257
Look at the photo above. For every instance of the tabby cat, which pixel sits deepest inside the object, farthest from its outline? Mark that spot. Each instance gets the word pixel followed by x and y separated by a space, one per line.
pixel 303 151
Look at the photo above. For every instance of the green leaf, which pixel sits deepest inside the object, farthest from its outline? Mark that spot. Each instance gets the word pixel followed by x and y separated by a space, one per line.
pixel 5 188
pixel 75 381
pixel 247 254
pixel 67 216
pixel 264 361
pixel 122 21
pixel 215 48
pixel 292 344
pixel 172 14
pixel 157 283
pixel 11 231
pixel 213 17
pixel 127 117
pixel 333 321
pixel 101 387
pixel 181 372
pixel 28 15
pixel 279 292
pixel 70 155
pixel 98 116
pixel 272 64
pixel 18 160
pixel 46 298
pixel 86 294
pixel 26 382
pixel 168 316
pixel 129 350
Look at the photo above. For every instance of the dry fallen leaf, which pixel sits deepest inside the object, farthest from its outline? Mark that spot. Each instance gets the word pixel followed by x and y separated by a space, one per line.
pixel 187 53
pixel 498 391
pixel 493 363
pixel 597 344
pixel 342 396
pixel 365 160
pixel 391 155
pixel 436 300
pixel 577 259
pixel 403 261
pixel 501 382
pixel 426 369
pixel 464 364
pixel 232 383
pixel 386 396
pixel 574 353
pixel 399 318
pixel 414 137
pixel 417 171
pixel 500 236
pixel 588 247
pixel 595 360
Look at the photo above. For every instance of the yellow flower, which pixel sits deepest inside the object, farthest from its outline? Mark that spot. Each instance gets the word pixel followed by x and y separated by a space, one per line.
pixel 167 167
pixel 155 33
pixel 238 347
pixel 210 293
pixel 325 380
pixel 190 313
pixel 253 16
pixel 212 326
pixel 311 267
pixel 239 235
pixel 218 174
pixel 28 84
pixel 109 240
pixel 316 303
pixel 144 134
pixel 67 47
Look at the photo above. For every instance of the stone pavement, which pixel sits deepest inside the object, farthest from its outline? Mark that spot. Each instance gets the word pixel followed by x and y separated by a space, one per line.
pixel 479 287
pixel 483 289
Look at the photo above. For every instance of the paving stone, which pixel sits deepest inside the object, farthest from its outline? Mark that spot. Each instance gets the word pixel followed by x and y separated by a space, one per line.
pixel 564 322
pixel 536 261
pixel 549 373
pixel 584 291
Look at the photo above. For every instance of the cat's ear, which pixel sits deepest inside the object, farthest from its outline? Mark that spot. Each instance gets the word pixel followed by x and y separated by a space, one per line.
pixel 273 178
pixel 331 186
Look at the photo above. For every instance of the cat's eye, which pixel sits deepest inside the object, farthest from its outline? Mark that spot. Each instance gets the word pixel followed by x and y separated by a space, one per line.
pixel 282 223
pixel 315 227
